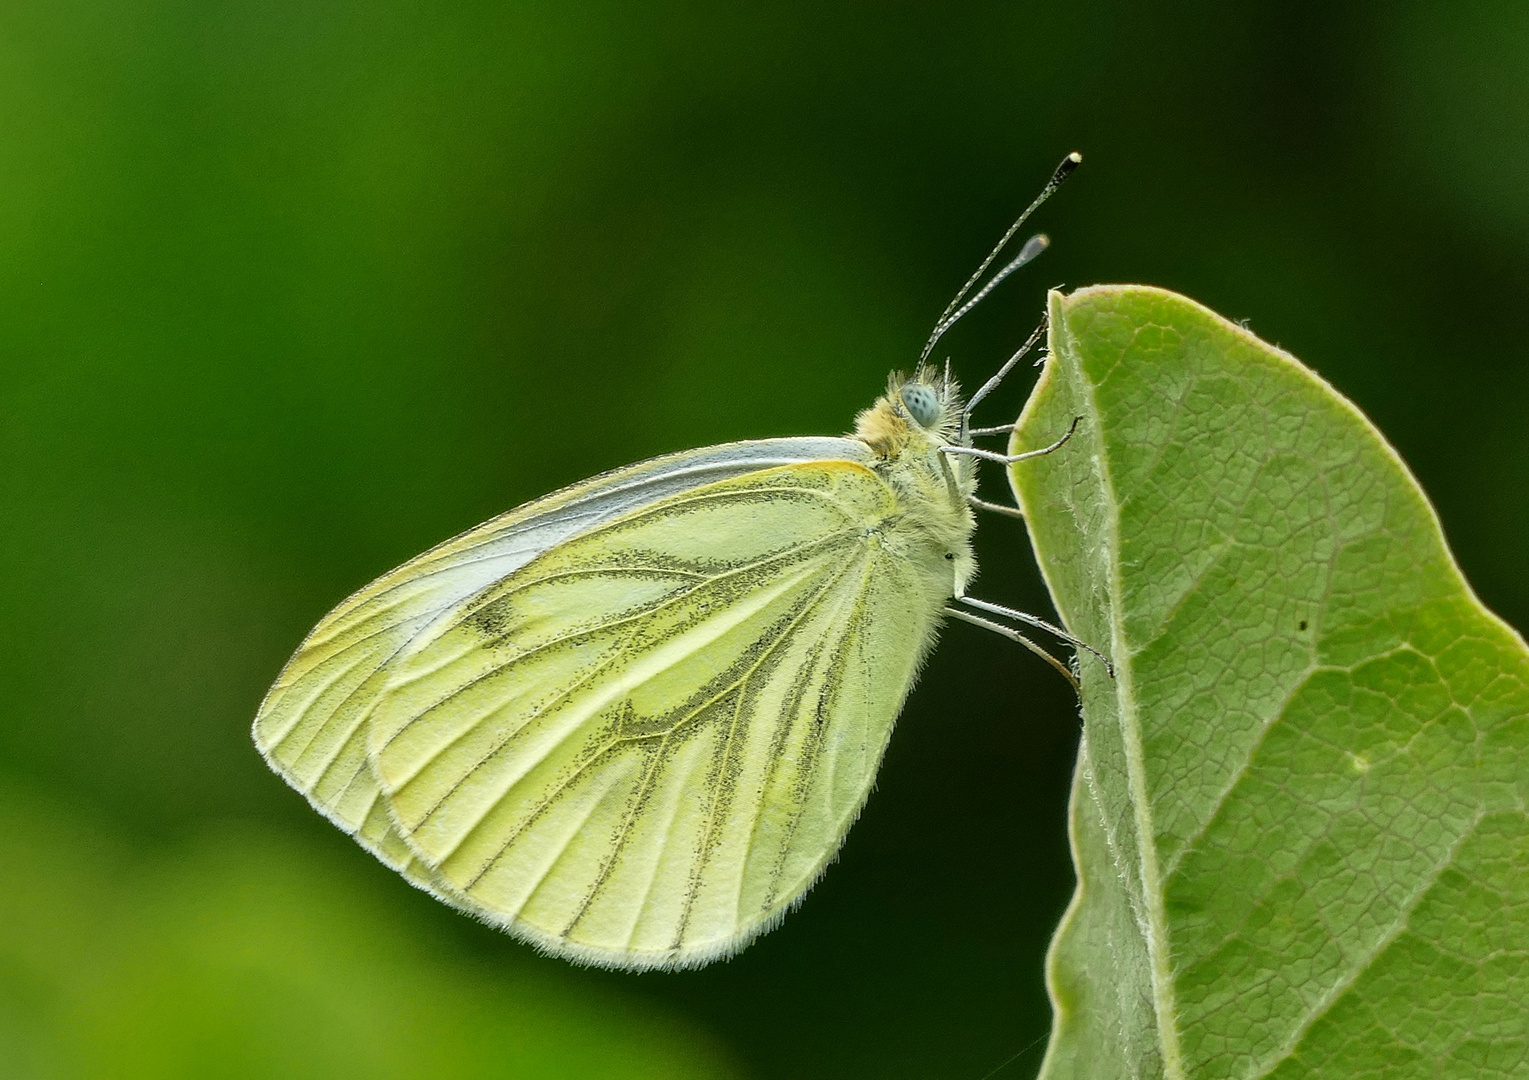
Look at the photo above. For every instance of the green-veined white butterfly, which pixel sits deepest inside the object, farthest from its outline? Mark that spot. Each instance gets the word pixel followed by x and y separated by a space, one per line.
pixel 631 722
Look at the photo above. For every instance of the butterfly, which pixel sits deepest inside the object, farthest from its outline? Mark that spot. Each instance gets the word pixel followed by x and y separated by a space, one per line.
pixel 632 721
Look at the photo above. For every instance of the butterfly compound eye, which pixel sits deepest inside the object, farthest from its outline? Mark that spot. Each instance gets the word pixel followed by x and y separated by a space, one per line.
pixel 922 403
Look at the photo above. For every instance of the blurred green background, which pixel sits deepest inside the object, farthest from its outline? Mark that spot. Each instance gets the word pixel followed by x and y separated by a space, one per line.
pixel 290 291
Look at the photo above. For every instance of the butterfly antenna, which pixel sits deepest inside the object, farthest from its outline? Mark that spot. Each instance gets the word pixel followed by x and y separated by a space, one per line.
pixel 1033 247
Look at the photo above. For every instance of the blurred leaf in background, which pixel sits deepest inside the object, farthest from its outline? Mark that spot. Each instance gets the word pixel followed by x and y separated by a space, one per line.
pixel 291 291
pixel 243 956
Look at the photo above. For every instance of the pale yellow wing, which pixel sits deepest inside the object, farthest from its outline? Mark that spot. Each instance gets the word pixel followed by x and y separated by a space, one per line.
pixel 311 728
pixel 641 747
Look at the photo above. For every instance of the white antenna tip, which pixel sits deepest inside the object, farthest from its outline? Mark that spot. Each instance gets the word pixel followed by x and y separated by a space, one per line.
pixel 1063 171
pixel 1033 247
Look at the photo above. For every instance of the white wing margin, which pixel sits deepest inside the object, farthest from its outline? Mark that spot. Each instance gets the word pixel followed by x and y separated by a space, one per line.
pixel 312 726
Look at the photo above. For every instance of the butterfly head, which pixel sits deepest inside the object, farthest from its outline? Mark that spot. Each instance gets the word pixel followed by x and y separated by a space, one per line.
pixel 923 407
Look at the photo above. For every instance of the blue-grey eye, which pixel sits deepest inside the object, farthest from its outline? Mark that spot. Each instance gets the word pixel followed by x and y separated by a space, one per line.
pixel 922 403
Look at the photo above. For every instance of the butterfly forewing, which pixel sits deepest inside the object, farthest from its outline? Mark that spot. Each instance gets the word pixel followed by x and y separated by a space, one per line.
pixel 642 745
pixel 312 725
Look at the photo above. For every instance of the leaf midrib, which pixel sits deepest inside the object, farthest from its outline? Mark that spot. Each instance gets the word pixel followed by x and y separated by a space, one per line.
pixel 1163 1004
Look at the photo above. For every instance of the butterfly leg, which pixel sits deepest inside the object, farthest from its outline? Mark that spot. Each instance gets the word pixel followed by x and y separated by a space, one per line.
pixel 1010 459
pixel 992 384
pixel 1037 622
pixel 996 508
pixel 1016 636
pixel 983 504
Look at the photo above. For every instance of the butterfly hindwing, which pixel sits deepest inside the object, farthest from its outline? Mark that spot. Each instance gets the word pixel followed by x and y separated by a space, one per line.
pixel 311 727
pixel 642 745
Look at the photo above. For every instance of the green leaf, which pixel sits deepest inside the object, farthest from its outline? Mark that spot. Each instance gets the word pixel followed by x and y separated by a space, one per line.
pixel 1298 818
